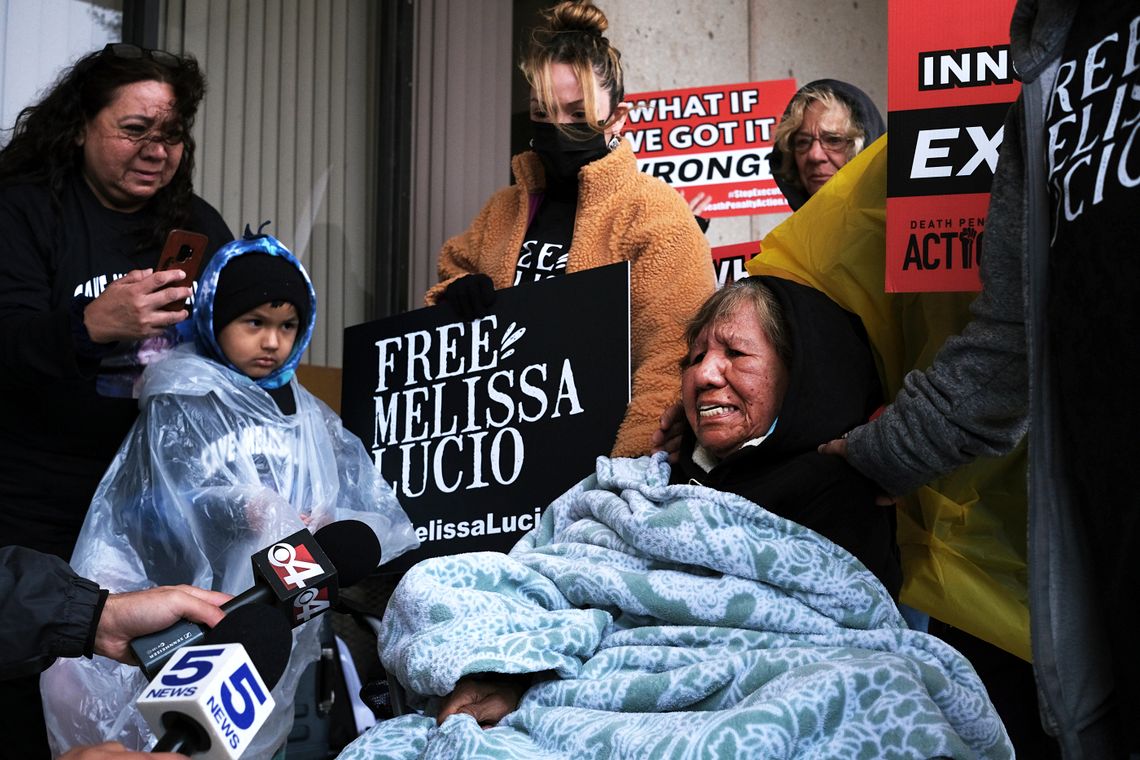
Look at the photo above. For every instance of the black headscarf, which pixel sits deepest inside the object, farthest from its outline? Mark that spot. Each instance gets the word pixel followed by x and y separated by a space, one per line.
pixel 832 381
pixel 832 387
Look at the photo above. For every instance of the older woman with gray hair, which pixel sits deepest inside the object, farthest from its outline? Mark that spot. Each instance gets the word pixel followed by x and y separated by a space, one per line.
pixel 656 611
pixel 826 124
pixel 773 369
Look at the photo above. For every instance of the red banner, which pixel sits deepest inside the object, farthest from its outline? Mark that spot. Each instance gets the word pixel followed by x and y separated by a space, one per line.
pixel 714 140
pixel 729 261
pixel 950 83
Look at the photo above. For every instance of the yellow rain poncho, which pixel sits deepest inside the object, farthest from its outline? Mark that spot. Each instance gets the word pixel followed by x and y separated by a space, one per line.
pixel 962 536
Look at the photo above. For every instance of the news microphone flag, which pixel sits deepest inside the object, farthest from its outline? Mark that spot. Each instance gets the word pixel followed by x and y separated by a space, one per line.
pixel 295 575
pixel 214 698
pixel 218 691
pixel 300 575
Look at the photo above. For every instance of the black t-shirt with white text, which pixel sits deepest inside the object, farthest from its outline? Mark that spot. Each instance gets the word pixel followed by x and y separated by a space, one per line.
pixel 59 428
pixel 1092 156
pixel 547 240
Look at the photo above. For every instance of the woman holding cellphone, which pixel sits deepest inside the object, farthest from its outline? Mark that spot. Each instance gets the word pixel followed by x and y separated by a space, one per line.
pixel 94 177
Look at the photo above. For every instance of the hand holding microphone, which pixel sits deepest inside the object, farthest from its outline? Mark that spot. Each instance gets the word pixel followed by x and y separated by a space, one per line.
pixel 299 575
pixel 137 613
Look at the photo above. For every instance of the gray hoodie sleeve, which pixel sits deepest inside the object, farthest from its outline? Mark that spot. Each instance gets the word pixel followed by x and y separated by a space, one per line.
pixel 973 400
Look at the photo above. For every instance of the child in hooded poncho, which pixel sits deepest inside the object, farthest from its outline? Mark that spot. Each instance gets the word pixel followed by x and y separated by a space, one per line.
pixel 229 454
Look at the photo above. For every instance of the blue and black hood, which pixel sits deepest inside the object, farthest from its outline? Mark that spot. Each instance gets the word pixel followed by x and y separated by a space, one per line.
pixel 204 305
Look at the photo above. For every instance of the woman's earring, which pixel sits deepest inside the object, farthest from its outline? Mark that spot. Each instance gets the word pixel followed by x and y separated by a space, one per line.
pixel 614 142
pixel 531 143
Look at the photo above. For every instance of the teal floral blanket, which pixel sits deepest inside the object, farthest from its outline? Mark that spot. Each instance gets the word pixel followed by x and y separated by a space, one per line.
pixel 680 622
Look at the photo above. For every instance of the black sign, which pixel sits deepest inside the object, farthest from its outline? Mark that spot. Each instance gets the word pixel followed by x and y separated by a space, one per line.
pixel 939 151
pixel 479 424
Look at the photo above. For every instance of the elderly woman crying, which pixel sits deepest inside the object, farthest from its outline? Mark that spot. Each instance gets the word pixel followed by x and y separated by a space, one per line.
pixel 772 369
pixel 707 608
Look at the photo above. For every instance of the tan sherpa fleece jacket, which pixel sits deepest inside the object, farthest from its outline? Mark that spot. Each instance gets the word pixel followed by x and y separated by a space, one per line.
pixel 623 215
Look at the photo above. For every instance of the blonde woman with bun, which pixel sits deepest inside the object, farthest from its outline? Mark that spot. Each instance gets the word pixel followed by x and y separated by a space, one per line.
pixel 580 202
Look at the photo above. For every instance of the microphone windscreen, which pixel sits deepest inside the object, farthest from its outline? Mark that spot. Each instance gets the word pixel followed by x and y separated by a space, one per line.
pixel 265 633
pixel 353 549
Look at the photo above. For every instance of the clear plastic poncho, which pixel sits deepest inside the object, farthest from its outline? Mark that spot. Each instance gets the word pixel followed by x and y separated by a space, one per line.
pixel 211 472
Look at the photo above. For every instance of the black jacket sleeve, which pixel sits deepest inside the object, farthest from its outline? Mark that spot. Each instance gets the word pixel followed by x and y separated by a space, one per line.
pixel 36 335
pixel 46 611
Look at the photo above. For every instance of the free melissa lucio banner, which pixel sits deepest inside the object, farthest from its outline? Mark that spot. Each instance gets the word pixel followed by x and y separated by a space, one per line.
pixel 714 140
pixel 479 424
pixel 950 83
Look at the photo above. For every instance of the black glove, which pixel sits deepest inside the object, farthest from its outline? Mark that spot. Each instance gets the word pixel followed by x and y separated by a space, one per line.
pixel 472 296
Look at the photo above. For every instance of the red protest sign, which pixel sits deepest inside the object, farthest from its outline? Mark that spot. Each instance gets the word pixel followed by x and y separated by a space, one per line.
pixel 950 83
pixel 713 140
pixel 729 261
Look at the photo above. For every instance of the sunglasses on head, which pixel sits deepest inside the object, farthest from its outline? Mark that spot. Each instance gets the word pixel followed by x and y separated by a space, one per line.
pixel 127 51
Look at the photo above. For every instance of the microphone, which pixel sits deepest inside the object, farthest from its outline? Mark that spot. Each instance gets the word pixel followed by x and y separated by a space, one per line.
pixel 299 575
pixel 214 698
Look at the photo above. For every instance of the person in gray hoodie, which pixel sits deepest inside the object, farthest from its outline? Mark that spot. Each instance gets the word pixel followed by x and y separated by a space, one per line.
pixel 1051 349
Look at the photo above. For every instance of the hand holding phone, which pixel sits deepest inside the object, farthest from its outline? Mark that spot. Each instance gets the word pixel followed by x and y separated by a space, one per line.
pixel 183 250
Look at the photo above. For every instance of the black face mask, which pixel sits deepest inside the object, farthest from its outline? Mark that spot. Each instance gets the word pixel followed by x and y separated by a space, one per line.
pixel 562 155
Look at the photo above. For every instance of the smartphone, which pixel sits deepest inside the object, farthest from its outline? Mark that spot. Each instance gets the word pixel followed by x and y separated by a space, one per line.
pixel 183 250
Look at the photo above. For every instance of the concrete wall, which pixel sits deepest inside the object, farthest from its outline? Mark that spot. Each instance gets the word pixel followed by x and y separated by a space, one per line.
pixel 672 43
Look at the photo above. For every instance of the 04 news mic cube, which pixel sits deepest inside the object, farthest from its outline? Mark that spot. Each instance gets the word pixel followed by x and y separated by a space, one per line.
pixel 300 574
pixel 295 575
